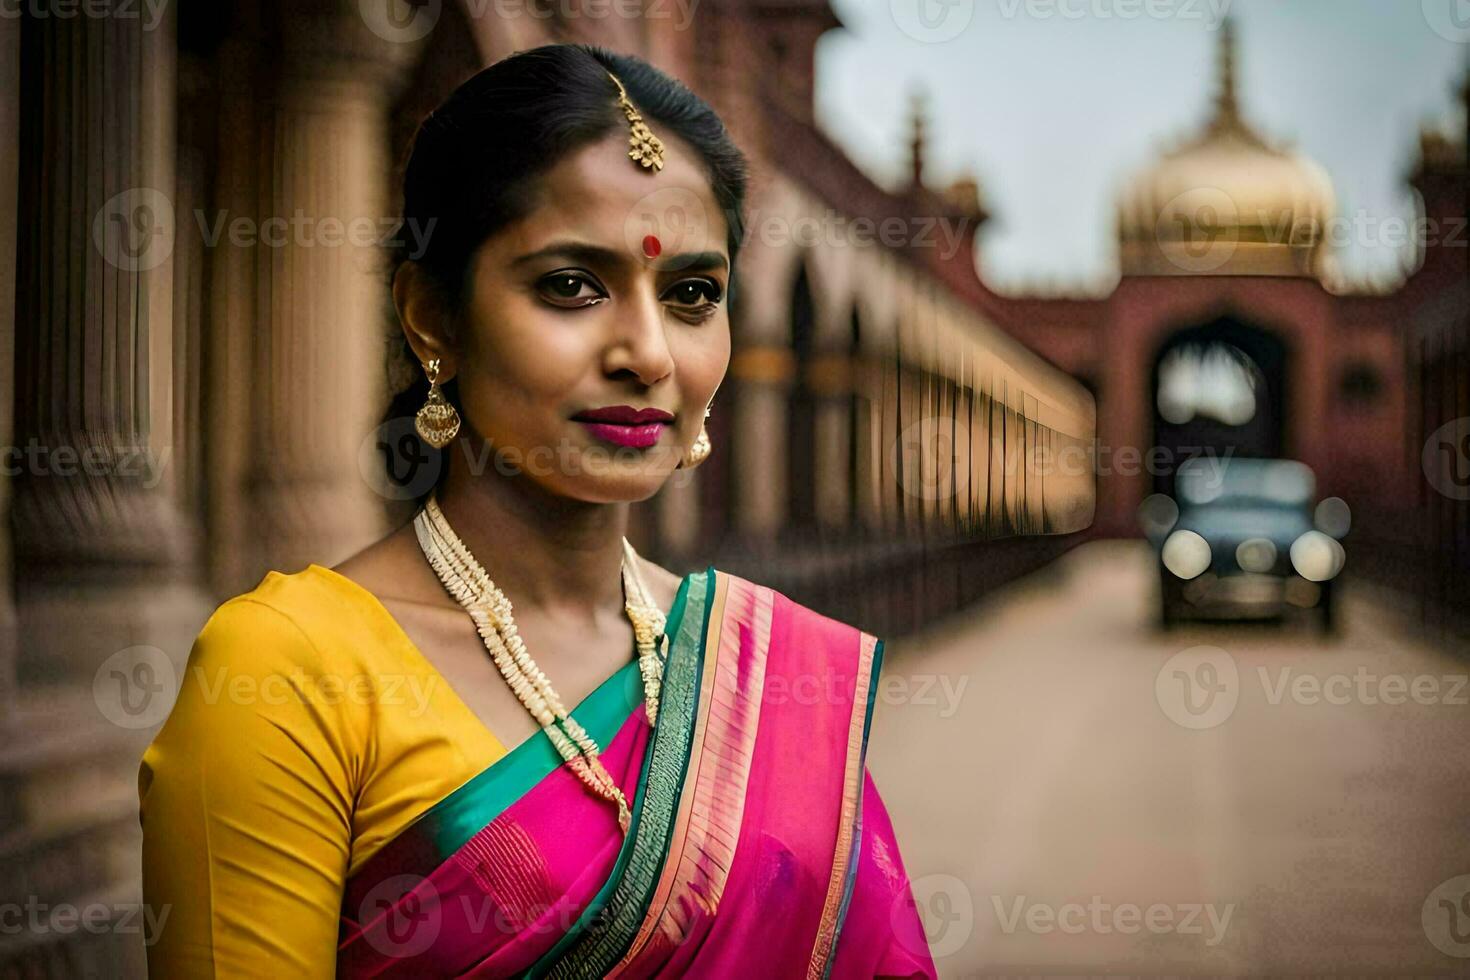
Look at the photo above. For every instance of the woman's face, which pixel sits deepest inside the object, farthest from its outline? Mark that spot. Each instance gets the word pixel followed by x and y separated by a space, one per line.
pixel 570 314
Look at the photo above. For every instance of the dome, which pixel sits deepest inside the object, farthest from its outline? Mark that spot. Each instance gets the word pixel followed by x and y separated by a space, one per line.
pixel 1227 202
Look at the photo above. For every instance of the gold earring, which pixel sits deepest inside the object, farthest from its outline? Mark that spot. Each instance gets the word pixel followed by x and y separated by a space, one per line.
pixel 700 451
pixel 437 422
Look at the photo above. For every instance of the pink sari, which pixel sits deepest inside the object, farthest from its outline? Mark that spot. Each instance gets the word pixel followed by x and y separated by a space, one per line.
pixel 759 843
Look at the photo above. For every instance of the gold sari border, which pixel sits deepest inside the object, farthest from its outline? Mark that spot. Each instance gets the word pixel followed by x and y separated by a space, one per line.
pixel 702 847
pixel 720 780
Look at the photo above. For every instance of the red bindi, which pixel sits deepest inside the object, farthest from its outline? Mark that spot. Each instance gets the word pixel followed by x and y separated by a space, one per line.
pixel 651 246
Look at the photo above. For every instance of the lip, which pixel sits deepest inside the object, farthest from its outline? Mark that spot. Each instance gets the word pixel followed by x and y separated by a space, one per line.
pixel 624 425
pixel 624 415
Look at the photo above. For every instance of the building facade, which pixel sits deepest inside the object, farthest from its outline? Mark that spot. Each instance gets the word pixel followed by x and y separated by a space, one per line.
pixel 1226 244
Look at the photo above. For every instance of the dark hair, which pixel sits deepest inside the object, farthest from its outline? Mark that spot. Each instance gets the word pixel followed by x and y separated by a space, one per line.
pixel 474 163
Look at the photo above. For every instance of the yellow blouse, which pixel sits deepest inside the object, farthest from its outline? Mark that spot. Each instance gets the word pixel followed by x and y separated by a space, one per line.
pixel 308 732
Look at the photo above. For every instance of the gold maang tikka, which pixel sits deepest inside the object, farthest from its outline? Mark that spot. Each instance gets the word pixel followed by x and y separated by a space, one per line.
pixel 644 147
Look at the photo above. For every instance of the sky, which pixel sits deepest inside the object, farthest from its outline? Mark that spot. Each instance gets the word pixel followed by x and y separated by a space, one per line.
pixel 1053 104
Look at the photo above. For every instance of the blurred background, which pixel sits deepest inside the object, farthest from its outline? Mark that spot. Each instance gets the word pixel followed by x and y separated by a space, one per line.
pixel 1108 357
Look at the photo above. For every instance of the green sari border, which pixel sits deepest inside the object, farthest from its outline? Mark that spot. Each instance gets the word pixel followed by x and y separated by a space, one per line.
pixel 449 824
pixel 602 933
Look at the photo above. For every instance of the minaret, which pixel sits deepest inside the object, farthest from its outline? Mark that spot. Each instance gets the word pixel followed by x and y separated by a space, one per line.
pixel 1227 102
pixel 918 117
pixel 1227 118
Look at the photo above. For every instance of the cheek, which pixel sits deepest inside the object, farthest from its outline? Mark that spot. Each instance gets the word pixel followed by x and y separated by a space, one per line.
pixel 702 358
pixel 528 356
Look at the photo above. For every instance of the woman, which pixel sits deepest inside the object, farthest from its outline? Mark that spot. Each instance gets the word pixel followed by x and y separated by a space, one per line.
pixel 333 790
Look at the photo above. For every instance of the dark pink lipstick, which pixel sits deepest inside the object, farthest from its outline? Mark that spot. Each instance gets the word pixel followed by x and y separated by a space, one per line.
pixel 624 425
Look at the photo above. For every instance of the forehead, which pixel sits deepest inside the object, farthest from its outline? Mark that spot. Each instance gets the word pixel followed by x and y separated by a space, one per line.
pixel 598 194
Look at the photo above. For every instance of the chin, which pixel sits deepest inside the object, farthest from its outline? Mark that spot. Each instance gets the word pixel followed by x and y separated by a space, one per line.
pixel 612 488
pixel 613 475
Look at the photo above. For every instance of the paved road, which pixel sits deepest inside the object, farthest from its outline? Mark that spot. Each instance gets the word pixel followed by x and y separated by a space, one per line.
pixel 1072 800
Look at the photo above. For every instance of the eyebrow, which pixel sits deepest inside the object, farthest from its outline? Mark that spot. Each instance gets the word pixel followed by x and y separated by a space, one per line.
pixel 590 254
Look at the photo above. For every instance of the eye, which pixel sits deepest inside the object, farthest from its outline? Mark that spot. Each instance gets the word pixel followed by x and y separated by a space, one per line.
pixel 570 289
pixel 694 292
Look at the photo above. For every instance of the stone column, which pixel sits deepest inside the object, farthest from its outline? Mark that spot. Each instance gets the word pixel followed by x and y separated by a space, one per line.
pixel 830 376
pixel 870 405
pixel 321 318
pixel 94 524
pixel 760 376
pixel 229 308
pixel 106 603
pixel 678 515
pixel 9 168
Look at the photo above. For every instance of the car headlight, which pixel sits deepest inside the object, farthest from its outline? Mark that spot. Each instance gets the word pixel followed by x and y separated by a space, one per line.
pixel 1256 555
pixel 1186 554
pixel 1157 514
pixel 1317 557
pixel 1333 517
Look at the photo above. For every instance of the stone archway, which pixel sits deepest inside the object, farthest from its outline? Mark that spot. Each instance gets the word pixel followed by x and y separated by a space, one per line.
pixel 1218 387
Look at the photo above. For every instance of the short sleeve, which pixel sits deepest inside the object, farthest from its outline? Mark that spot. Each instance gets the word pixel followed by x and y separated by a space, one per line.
pixel 246 804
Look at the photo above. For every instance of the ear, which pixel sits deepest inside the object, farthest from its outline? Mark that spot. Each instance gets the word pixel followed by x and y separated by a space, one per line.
pixel 424 317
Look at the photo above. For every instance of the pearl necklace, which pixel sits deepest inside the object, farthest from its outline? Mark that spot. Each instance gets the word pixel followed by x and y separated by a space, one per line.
pixel 466 580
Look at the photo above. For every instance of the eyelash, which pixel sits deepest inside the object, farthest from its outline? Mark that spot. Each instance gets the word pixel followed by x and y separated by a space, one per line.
pixel 708 288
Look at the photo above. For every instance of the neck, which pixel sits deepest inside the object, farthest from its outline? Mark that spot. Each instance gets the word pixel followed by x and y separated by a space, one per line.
pixel 546 552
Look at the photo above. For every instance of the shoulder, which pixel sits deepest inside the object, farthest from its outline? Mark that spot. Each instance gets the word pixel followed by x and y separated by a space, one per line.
pixel 314 621
pixel 282 672
pixel 393 567
pixel 267 705
pixel 662 583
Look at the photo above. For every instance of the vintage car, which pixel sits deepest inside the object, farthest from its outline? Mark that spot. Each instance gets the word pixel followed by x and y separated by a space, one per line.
pixel 1246 539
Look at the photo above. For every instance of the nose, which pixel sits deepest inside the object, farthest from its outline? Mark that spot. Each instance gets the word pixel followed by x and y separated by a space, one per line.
pixel 639 345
